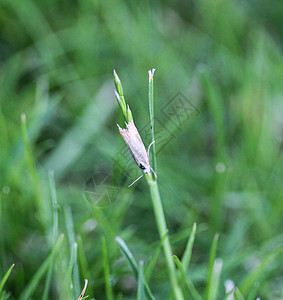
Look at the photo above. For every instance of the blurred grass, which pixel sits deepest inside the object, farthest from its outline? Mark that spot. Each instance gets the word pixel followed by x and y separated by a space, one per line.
pixel 222 169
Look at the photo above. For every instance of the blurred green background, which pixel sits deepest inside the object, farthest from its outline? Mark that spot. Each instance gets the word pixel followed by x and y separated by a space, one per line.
pixel 222 168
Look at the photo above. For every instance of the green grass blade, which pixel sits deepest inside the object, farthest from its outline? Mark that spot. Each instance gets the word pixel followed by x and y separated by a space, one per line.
pixel 151 117
pixel 72 243
pixel 84 268
pixel 107 280
pixel 68 281
pixel 253 291
pixel 55 230
pixel 47 282
pixel 140 293
pixel 259 271
pixel 189 247
pixel 212 256
pixel 152 262
pixel 186 281
pixel 214 286
pixel 238 295
pixel 229 294
pixel 32 170
pixel 128 255
pixel 5 278
pixel 54 204
pixel 29 290
pixel 132 264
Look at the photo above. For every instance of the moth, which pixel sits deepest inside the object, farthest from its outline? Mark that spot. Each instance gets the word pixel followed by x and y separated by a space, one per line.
pixel 135 144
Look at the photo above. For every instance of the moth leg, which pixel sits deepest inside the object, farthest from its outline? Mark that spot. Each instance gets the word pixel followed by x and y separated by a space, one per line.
pixel 149 148
pixel 136 180
pixel 153 172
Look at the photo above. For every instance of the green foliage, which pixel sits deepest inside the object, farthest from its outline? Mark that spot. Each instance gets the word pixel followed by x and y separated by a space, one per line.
pixel 219 160
pixel 4 279
pixel 108 286
pixel 133 265
pixel 140 293
pixel 186 281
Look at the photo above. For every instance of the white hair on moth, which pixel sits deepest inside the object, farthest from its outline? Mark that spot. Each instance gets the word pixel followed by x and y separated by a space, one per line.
pixel 135 144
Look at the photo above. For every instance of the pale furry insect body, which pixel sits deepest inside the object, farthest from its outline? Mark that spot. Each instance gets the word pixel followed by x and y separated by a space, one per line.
pixel 135 144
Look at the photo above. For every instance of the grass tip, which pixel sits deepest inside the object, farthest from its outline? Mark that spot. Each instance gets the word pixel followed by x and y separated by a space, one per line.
pixel 151 73
pixel 218 264
pixel 118 239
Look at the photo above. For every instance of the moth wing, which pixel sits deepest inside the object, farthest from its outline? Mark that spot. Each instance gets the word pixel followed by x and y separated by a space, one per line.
pixel 135 144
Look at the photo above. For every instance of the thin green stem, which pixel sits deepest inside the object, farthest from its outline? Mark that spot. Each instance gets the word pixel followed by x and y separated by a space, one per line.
pixel 162 229
pixel 107 279
pixel 151 116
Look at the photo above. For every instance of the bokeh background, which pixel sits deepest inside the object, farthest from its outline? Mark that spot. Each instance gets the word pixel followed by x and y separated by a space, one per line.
pixel 221 168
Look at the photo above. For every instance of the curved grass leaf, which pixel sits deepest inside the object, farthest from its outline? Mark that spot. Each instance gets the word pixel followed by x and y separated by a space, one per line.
pixel 132 264
pixel 189 247
pixel 212 256
pixel 29 290
pixel 186 281
pixel 151 264
pixel 5 278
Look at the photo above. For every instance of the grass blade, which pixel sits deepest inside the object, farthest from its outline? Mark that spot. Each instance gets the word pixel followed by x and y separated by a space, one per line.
pixel 253 291
pixel 259 271
pixel 229 295
pixel 108 286
pixel 70 269
pixel 214 286
pixel 72 243
pixel 189 247
pixel 238 295
pixel 151 117
pixel 212 256
pixel 5 278
pixel 128 255
pixel 55 230
pixel 32 170
pixel 152 262
pixel 29 290
pixel 132 264
pixel 54 204
pixel 186 281
pixel 84 268
pixel 140 294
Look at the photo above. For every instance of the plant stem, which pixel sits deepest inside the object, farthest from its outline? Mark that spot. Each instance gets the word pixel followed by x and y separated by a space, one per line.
pixel 162 228
pixel 151 117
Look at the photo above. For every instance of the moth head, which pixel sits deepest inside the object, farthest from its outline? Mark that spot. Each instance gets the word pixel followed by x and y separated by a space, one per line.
pixel 145 169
